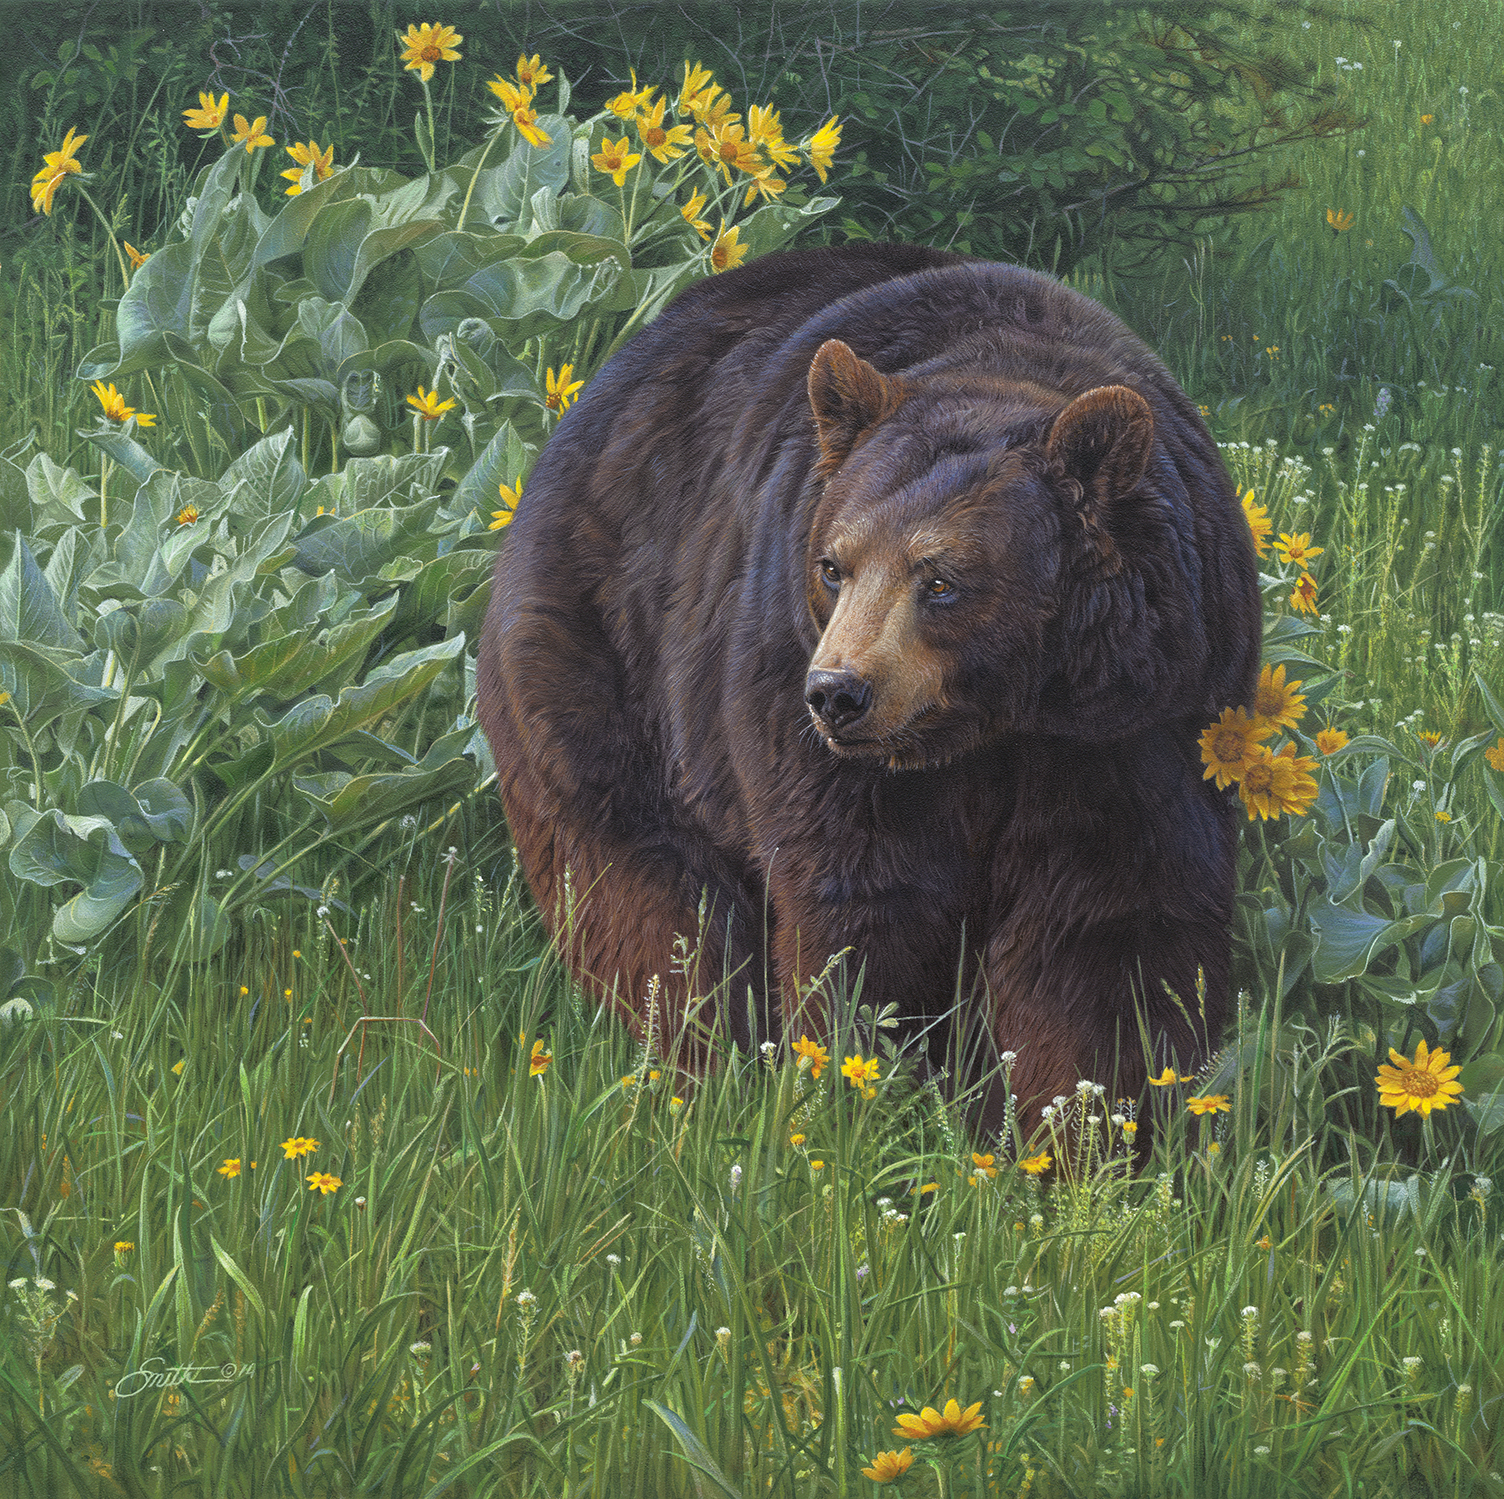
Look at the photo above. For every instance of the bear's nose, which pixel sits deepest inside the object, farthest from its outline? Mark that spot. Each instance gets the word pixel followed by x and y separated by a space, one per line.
pixel 837 698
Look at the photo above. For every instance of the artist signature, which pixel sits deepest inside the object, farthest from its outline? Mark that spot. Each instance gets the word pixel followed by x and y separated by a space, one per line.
pixel 158 1374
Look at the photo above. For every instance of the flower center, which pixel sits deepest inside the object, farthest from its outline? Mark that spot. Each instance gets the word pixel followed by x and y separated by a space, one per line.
pixel 1418 1084
pixel 430 52
pixel 1258 778
pixel 1228 746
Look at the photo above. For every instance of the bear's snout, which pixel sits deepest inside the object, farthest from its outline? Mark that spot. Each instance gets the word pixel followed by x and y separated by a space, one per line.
pixel 838 699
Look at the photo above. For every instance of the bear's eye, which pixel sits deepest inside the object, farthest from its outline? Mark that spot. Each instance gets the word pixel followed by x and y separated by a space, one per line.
pixel 939 588
pixel 830 572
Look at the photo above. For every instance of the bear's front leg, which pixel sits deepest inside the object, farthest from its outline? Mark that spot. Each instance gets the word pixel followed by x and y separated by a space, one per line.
pixel 1107 947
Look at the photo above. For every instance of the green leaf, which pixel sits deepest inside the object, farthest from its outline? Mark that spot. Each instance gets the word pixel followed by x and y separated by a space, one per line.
pixel 317 722
pixel 156 812
pixel 29 610
pixel 87 851
pixel 42 687
pixel 349 801
pixel 695 1453
pixel 57 492
pixel 267 478
pixel 504 460
pixel 356 546
pixel 15 498
pixel 126 452
pixel 502 192
pixel 1349 940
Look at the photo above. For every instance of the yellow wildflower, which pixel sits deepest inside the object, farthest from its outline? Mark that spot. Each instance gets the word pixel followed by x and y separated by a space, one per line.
pixel 251 135
pixel 424 46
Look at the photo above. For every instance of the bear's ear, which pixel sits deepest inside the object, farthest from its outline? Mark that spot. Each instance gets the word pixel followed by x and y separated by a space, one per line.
pixel 1103 440
pixel 848 397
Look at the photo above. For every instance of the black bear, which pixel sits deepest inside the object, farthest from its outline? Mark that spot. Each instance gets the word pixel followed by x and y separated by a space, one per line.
pixel 874 598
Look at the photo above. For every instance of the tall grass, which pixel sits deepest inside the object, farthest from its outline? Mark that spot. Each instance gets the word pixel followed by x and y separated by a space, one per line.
pixel 603 1280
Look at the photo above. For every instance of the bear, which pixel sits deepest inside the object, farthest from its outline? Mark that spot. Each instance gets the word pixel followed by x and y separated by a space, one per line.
pixel 871 601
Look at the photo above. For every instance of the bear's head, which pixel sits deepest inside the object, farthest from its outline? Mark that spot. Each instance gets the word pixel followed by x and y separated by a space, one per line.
pixel 990 557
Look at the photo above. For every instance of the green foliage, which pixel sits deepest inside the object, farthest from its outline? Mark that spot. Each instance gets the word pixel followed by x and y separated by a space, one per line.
pixel 264 658
pixel 564 1283
pixel 1035 132
pixel 365 286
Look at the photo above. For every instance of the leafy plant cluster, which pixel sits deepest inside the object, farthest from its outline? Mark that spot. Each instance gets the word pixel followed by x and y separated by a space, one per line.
pixel 227 676
pixel 473 280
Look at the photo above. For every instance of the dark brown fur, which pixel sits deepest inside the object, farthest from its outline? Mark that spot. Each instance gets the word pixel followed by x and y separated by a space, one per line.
pixel 768 493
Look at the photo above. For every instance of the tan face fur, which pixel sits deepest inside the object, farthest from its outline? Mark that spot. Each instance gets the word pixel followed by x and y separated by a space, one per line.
pixel 874 634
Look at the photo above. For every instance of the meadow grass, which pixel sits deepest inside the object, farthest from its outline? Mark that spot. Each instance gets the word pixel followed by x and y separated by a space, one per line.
pixel 561 1268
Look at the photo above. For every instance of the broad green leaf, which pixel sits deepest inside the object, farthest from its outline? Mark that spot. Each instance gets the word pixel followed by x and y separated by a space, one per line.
pixel 1349 940
pixel 267 478
pixel 15 498
pixel 293 663
pixel 158 301
pixel 533 295
pixel 155 812
pixel 317 722
pixel 87 851
pixel 127 453
pixel 504 460
pixel 42 687
pixel 57 492
pixel 450 259
pixel 502 192
pixel 29 609
pixel 140 633
pixel 349 801
pixel 438 586
pixel 356 546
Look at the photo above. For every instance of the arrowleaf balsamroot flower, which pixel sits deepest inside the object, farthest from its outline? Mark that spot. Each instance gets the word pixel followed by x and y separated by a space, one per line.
pixel 615 160
pixel 951 1422
pixel 324 1183
pixel 250 135
pixel 1210 1103
pixel 532 72
pixel 817 1055
pixel 561 388
pixel 428 405
pixel 1338 221
pixel 298 1145
pixel 1037 1165
pixel 664 143
pixel 1259 524
pixel 425 45
pixel 630 101
pixel 889 1467
pixel 56 167
pixel 509 500
pixel 1495 755
pixel 1230 746
pixel 209 115
pixel 1330 740
pixel 230 1168
pixel 138 257
pixel 726 254
pixel 1423 1084
pixel 538 1061
pixel 116 409
pixel 1296 548
pixel 1167 1077
pixel 308 156
pixel 690 211
pixel 822 146
pixel 1278 783
pixel 1304 598
pixel 1275 704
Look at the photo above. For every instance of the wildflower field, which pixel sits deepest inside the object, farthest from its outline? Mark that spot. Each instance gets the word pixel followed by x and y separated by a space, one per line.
pixel 317 1175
